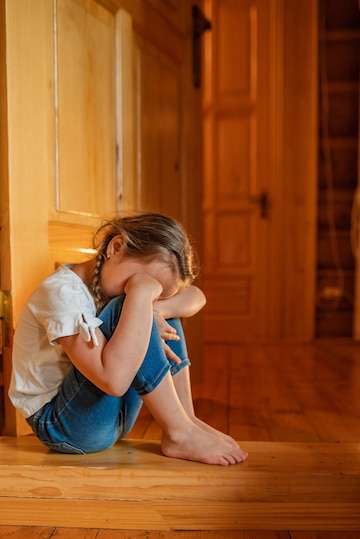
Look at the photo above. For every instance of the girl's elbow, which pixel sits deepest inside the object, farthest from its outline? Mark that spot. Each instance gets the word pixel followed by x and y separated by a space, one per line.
pixel 200 299
pixel 198 295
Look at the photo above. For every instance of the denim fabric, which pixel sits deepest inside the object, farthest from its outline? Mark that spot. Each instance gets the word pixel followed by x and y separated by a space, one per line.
pixel 81 418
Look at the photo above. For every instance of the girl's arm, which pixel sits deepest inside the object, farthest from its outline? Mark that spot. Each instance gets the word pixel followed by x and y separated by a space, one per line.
pixel 185 303
pixel 113 364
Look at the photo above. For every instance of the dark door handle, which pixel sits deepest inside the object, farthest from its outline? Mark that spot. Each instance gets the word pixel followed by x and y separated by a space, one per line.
pixel 263 202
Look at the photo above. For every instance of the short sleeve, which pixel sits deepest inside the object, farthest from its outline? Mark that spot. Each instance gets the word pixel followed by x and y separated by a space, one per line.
pixel 64 306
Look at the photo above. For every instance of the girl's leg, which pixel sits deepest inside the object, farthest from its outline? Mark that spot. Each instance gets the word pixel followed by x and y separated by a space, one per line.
pixel 186 436
pixel 83 419
pixel 181 377
pixel 182 437
pixel 183 388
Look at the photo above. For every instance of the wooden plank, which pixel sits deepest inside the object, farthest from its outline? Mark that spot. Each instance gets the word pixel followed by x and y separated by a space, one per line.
pixel 74 483
pixel 225 534
pixel 265 401
pixel 325 534
pixel 334 425
pixel 81 513
pixel 27 532
pixel 75 533
pixel 169 515
pixel 134 470
pixel 29 451
pixel 273 516
pixel 32 532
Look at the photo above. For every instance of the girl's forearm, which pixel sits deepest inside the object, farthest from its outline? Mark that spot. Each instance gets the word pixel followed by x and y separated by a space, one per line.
pixel 184 304
pixel 127 347
pixel 113 364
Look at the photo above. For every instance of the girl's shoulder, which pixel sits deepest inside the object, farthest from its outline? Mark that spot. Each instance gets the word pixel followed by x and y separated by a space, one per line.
pixel 59 305
pixel 63 276
pixel 62 287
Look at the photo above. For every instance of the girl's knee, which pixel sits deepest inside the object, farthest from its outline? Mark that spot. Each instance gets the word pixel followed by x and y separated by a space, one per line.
pixel 110 315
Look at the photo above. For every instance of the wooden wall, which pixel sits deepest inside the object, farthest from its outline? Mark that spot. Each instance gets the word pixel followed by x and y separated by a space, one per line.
pixel 339 33
pixel 98 113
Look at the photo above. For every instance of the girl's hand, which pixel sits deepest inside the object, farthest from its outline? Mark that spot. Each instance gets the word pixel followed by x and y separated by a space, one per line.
pixel 167 333
pixel 143 281
pixel 170 354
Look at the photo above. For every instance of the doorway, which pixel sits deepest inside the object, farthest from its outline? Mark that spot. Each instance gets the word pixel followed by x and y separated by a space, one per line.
pixel 260 170
pixel 339 37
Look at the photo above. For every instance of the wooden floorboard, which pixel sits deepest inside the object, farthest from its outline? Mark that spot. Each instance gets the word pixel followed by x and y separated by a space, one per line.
pixel 173 516
pixel 31 532
pixel 292 485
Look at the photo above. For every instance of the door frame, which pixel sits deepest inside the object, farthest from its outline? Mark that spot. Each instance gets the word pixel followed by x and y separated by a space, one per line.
pixel 295 127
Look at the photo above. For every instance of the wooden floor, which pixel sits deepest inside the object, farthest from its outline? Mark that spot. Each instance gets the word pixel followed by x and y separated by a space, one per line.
pixel 296 409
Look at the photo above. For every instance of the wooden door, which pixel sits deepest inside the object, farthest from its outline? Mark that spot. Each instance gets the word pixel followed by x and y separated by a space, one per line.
pixel 260 178
pixel 237 202
pixel 71 132
pixel 60 117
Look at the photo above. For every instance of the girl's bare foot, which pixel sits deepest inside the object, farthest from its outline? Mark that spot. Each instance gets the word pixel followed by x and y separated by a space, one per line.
pixel 186 437
pixel 183 388
pixel 197 444
pixel 215 432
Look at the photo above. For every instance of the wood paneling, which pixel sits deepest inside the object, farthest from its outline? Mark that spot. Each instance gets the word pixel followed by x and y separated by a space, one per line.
pixel 85 109
pixel 297 231
pixel 159 131
pixel 338 158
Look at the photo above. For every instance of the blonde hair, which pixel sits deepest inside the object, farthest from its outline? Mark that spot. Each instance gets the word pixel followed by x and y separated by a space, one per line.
pixel 146 236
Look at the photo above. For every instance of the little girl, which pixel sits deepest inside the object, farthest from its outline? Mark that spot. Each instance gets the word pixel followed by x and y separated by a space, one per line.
pixel 97 339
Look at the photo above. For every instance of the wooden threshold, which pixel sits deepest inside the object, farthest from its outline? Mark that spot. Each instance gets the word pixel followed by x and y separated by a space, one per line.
pixel 282 486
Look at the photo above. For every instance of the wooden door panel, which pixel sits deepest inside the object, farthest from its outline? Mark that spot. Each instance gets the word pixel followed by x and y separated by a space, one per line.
pixel 236 48
pixel 234 255
pixel 158 122
pixel 234 163
pixel 85 90
pixel 238 290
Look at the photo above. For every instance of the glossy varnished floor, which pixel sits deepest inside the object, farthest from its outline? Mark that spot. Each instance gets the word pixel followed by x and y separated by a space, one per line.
pixel 289 393
pixel 305 395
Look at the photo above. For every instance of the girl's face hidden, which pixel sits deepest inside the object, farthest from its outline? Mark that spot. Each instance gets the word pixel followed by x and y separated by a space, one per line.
pixel 116 272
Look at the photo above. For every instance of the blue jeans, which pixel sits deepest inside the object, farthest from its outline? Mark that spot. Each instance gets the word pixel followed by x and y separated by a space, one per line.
pixel 81 418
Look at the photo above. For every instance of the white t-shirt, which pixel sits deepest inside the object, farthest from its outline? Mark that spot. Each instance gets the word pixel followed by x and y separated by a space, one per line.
pixel 57 308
